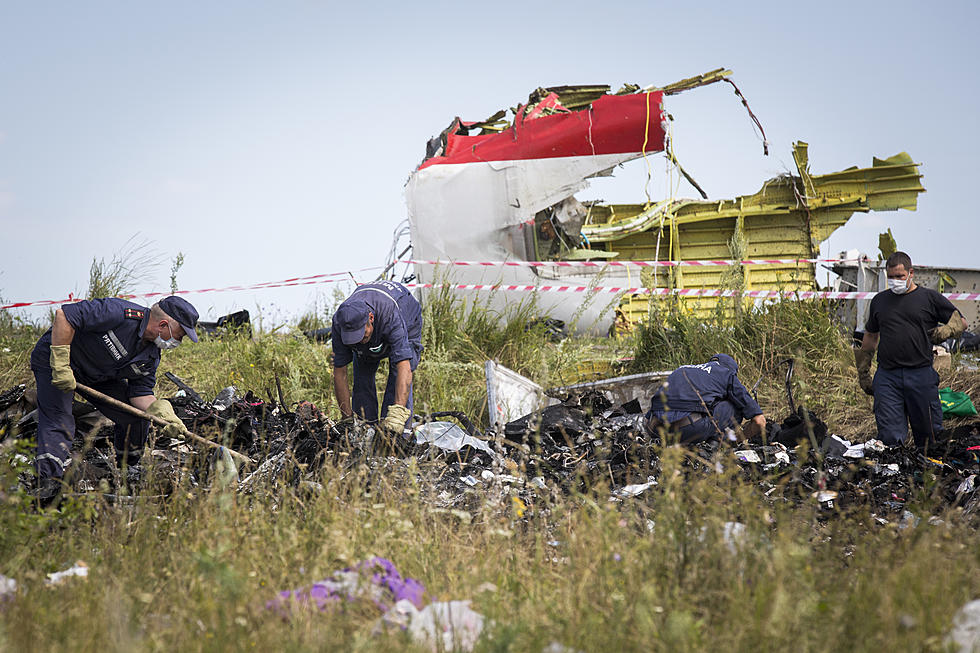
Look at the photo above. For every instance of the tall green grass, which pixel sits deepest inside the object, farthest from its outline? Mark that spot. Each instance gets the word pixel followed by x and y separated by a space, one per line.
pixel 656 573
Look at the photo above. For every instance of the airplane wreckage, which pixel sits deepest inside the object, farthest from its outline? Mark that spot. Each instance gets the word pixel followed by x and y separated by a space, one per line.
pixel 504 190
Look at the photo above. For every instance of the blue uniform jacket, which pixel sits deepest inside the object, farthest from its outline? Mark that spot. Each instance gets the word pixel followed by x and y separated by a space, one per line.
pixel 396 315
pixel 108 344
pixel 691 388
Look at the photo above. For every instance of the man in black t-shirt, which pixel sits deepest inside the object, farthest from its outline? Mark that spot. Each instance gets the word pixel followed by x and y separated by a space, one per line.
pixel 906 320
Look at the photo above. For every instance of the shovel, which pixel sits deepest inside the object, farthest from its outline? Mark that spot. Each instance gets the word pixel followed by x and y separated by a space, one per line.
pixel 132 410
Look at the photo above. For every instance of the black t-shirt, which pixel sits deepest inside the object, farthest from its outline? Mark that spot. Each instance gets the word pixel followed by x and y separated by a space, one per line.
pixel 903 322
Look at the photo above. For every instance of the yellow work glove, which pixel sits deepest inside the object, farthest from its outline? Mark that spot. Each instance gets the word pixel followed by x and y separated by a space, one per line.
pixel 862 360
pixel 61 374
pixel 164 410
pixel 394 422
pixel 952 329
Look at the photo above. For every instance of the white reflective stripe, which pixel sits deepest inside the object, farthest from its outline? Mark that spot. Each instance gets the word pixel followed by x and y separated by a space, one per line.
pixel 133 367
pixel 51 456
pixel 376 290
pixel 119 346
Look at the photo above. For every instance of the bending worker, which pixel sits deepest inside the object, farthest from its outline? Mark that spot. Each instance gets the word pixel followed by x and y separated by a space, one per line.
pixel 703 401
pixel 378 320
pixel 113 346
pixel 906 322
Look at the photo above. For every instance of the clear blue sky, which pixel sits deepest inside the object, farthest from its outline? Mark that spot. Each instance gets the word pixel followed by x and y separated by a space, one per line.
pixel 270 140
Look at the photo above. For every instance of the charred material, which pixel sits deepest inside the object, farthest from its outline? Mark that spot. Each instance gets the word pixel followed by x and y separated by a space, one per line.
pixel 571 446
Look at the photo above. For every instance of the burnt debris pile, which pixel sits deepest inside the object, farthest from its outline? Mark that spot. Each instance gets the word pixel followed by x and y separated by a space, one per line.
pixel 581 443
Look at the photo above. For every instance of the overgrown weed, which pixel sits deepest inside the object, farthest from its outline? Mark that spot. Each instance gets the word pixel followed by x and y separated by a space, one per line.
pixel 668 570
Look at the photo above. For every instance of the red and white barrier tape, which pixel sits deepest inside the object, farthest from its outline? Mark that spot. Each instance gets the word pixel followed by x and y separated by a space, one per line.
pixel 644 264
pixel 640 290
pixel 681 292
pixel 284 283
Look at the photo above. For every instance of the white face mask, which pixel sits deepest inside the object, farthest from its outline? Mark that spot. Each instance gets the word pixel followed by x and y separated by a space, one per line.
pixel 170 343
pixel 899 286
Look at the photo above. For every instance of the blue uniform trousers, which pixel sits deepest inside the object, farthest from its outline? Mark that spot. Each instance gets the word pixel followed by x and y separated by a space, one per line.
pixel 56 425
pixel 907 397
pixel 364 398
pixel 722 417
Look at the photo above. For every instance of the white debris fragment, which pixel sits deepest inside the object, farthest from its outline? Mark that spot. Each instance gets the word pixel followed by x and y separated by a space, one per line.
pixel 782 457
pixel 748 456
pixel 734 534
pixel 875 446
pixel 909 519
pixel 449 437
pixel 824 496
pixel 634 490
pixel 80 569
pixel 968 485
pixel 447 626
pixel 558 647
pixel 8 587
pixel 965 635
pixel 855 451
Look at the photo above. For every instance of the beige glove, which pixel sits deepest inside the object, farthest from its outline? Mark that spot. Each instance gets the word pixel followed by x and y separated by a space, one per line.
pixel 394 422
pixel 862 360
pixel 61 374
pixel 952 329
pixel 164 410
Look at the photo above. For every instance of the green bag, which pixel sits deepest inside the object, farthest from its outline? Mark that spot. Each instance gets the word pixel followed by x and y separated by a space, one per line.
pixel 956 404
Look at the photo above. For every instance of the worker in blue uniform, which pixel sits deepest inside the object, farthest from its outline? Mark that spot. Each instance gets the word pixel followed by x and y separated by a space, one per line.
pixel 903 324
pixel 703 402
pixel 113 346
pixel 378 320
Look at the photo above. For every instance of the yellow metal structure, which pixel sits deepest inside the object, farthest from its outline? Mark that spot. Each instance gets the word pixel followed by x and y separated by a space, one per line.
pixel 787 219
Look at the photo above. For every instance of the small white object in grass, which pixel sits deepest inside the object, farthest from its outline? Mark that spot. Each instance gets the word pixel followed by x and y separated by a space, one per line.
pixel 80 570
pixel 8 587
pixel 965 635
pixel 632 490
pixel 447 626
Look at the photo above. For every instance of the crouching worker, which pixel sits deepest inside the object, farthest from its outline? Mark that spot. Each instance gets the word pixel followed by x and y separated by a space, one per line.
pixel 704 401
pixel 377 321
pixel 113 346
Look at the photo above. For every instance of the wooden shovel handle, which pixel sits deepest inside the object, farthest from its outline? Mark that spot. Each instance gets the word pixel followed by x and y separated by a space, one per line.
pixel 133 410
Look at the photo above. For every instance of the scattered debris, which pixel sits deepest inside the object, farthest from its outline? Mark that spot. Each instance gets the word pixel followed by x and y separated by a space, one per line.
pixel 513 468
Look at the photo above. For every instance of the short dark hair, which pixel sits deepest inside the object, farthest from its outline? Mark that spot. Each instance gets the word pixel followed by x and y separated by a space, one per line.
pixel 899 258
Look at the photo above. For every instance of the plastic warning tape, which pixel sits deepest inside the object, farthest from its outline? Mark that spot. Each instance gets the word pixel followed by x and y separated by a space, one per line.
pixel 681 292
pixel 634 290
pixel 331 277
pixel 643 264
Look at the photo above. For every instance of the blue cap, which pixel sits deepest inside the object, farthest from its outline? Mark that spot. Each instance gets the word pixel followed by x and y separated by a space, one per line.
pixel 351 317
pixel 181 310
pixel 726 361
